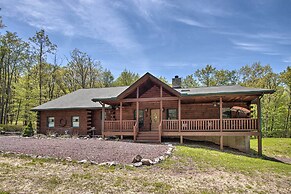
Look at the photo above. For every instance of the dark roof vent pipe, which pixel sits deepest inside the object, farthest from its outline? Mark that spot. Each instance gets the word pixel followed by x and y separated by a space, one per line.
pixel 176 82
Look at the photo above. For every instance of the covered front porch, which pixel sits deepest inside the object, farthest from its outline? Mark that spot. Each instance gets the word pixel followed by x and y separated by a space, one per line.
pixel 183 126
pixel 149 110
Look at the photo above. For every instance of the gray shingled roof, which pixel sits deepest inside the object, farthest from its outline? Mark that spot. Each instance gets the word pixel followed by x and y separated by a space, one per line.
pixel 235 89
pixel 81 98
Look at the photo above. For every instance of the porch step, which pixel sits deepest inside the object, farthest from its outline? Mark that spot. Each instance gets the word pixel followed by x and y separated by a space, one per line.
pixel 148 137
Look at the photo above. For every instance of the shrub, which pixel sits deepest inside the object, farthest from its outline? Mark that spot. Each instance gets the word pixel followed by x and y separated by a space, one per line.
pixel 11 128
pixel 28 131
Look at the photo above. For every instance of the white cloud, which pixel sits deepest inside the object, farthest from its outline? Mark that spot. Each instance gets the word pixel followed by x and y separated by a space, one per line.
pixel 251 46
pixel 94 19
pixel 287 60
pixel 191 22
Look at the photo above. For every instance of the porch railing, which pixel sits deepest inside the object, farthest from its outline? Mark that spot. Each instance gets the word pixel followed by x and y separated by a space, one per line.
pixel 111 126
pixel 200 125
pixel 170 125
pixel 114 126
pixel 127 125
pixel 232 124
pixel 240 124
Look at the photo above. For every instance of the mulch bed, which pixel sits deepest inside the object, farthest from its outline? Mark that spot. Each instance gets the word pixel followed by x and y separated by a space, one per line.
pixel 81 149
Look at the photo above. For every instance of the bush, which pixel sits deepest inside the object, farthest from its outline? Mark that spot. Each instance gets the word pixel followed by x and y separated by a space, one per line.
pixel 11 128
pixel 28 131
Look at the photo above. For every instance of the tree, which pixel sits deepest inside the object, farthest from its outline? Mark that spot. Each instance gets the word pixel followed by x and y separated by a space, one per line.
pixel 1 22
pixel 28 130
pixel 163 79
pixel 189 82
pixel 206 75
pixel 12 53
pixel 126 78
pixel 225 77
pixel 42 46
pixel 107 78
pixel 82 72
pixel 286 79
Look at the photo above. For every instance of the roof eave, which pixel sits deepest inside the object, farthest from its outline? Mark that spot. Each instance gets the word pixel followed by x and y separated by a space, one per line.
pixel 103 99
pixel 229 93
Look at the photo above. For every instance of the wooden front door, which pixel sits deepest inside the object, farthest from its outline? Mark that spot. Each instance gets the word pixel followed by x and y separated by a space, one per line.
pixel 155 119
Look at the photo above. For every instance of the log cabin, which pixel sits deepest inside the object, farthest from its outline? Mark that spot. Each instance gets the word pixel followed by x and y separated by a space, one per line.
pixel 150 110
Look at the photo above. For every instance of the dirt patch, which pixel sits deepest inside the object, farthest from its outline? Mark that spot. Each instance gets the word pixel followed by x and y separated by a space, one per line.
pixel 80 149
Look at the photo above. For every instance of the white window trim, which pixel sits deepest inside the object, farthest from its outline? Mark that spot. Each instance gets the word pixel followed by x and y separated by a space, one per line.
pixel 75 122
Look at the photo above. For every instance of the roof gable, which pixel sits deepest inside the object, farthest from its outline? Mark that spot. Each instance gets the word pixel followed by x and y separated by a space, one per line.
pixel 147 78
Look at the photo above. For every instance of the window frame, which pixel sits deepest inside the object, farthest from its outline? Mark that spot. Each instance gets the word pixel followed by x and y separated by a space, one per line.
pixel 140 115
pixel 176 113
pixel 78 122
pixel 48 122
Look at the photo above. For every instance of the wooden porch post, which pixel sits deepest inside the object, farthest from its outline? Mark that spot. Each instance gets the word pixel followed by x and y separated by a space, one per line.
pixel 120 119
pixel 179 120
pixel 259 116
pixel 220 115
pixel 137 113
pixel 103 119
pixel 161 113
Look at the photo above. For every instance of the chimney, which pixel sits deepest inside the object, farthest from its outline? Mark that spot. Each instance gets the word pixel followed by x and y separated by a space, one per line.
pixel 176 82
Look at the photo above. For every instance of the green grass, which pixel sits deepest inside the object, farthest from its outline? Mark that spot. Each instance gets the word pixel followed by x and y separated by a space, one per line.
pixel 274 147
pixel 209 158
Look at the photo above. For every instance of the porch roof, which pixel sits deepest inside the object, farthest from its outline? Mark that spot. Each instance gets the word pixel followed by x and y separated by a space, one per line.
pixel 222 90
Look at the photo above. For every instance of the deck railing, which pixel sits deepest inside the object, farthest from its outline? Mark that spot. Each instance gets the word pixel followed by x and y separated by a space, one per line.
pixel 232 124
pixel 240 124
pixel 127 125
pixel 111 126
pixel 114 126
pixel 170 125
pixel 200 125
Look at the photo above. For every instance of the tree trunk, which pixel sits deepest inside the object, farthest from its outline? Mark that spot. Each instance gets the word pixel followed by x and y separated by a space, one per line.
pixel 18 110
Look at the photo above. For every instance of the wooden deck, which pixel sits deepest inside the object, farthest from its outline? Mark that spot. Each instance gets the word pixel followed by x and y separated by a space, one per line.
pixel 188 127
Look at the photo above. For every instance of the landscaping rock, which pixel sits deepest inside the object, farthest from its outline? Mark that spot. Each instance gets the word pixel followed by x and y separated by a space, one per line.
pixel 93 162
pixel 82 161
pixel 137 158
pixel 137 164
pixel 162 158
pixel 156 160
pixel 146 162
pixel 102 164
pixel 113 163
pixel 69 159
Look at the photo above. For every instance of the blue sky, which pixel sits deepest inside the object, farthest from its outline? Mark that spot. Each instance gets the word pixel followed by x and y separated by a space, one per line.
pixel 166 38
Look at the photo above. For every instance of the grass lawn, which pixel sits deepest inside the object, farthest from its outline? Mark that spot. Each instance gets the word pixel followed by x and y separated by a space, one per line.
pixel 195 169
pixel 274 147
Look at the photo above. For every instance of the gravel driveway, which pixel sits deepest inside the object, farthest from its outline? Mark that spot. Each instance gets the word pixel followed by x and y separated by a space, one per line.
pixel 79 149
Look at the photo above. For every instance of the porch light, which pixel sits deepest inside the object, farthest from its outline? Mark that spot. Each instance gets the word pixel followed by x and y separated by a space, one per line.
pixel 215 104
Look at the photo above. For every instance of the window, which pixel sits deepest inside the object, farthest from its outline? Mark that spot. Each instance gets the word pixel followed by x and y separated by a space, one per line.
pixel 140 118
pixel 75 121
pixel 172 114
pixel 51 122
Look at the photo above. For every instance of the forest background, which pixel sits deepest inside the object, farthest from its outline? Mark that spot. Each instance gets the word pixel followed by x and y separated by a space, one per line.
pixel 27 79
